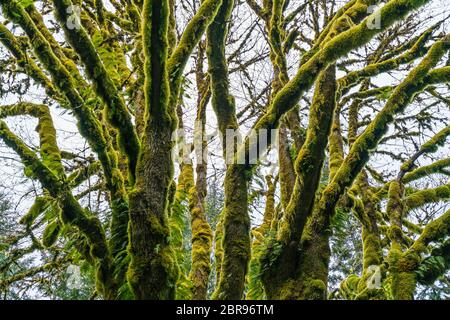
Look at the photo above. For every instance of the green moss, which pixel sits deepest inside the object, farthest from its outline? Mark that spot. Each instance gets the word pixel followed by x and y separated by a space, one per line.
pixel 424 171
pixel 236 235
pixel 439 75
pixel 402 267
pixel 218 248
pixel 332 50
pixel 372 254
pixel 435 265
pixel 89 126
pixel 71 211
pixel 417 50
pixel 310 159
pixel 153 271
pixel 51 156
pixel 236 222
pixel 116 111
pixel 39 171
pixel 315 289
pixel 348 287
pixel 280 263
pixel 37 208
pixel 201 248
pixel 423 197
pixel 255 289
pixel 433 231
pixel 51 233
pixel 178 222
pixel 24 61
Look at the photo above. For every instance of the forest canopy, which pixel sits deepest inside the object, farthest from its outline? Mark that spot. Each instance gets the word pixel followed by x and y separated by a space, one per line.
pixel 225 149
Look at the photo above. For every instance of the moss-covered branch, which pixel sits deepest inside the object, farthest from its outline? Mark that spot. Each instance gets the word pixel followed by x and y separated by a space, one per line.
pixel 90 127
pixel 51 157
pixel 430 146
pixel 331 50
pixel 236 222
pixel 308 165
pixel 434 231
pixel 367 141
pixel 72 213
pixel 201 238
pixel 255 288
pixel 374 69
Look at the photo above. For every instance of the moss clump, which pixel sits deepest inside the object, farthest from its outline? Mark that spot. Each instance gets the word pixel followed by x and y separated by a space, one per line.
pixel 201 247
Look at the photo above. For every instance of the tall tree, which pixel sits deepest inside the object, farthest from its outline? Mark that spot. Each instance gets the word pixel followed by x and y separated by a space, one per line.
pixel 138 78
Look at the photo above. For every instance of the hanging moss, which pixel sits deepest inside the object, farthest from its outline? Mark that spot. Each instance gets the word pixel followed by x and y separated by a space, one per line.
pixel 51 233
pixel 423 197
